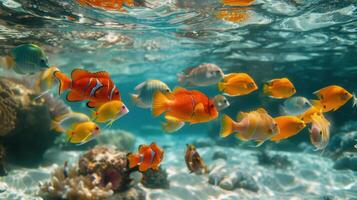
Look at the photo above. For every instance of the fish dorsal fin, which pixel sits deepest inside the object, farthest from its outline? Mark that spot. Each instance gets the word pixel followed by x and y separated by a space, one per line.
pixel 199 108
pixel 261 110
pixel 143 148
pixel 229 76
pixel 179 89
pixel 101 74
pixel 140 86
pixel 188 70
pixel 80 73
pixel 241 115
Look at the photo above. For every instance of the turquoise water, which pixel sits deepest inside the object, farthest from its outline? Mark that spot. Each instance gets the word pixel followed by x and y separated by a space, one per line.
pixel 312 42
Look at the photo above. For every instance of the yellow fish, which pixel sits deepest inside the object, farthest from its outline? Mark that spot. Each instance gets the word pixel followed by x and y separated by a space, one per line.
pixel 306 116
pixel 109 112
pixel 68 120
pixel 288 127
pixel 331 98
pixel 320 131
pixel 256 125
pixel 279 88
pixel 83 132
pixel 237 84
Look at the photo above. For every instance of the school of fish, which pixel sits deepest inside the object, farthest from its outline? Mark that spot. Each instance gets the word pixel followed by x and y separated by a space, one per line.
pixel 183 104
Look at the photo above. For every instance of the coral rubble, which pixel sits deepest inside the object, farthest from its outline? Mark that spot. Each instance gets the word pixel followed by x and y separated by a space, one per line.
pixel 100 173
pixel 277 161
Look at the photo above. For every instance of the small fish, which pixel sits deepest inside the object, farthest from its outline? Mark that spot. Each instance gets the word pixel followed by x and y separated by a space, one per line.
pixel 331 98
pixel 97 87
pixel 45 81
pixel 110 112
pixel 236 15
pixel 185 106
pixel 148 157
pixel 288 127
pixel 279 88
pixel 194 162
pixel 320 131
pixel 295 106
pixel 27 59
pixel 114 5
pixel 67 121
pixel 172 125
pixel 237 2
pixel 145 92
pixel 306 116
pixel 202 75
pixel 83 132
pixel 221 102
pixel 256 125
pixel 237 84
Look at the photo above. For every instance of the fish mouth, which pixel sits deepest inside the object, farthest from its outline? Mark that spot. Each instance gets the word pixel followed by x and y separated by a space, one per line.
pixel 123 112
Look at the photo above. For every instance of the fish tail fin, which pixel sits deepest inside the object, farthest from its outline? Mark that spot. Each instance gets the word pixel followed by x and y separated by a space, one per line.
pixel 56 126
pixel 354 99
pixel 133 160
pixel 159 104
pixel 221 86
pixel 182 79
pixel 226 126
pixel 266 89
pixel 137 101
pixel 65 81
pixel 9 62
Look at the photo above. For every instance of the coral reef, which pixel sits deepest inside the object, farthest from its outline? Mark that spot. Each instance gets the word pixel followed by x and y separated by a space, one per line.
pixel 100 173
pixel 24 122
pixel 277 161
pixel 3 171
pixel 155 179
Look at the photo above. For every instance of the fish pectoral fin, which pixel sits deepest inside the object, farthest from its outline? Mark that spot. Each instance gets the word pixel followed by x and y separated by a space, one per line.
pixel 199 108
pixel 74 96
pixel 259 143
pixel 239 136
pixel 172 118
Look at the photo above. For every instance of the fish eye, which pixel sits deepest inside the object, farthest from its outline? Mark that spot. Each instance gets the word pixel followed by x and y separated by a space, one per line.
pixel 123 107
pixel 212 106
pixel 116 92
pixel 320 132
pixel 167 90
pixel 96 128
pixel 225 101
pixel 325 106
pixel 293 89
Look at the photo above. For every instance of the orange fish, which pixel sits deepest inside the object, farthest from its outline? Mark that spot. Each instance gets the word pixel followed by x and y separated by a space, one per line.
pixel 235 15
pixel 148 157
pixel 237 2
pixel 108 4
pixel 279 88
pixel 237 84
pixel 331 98
pixel 306 116
pixel 256 125
pixel 185 106
pixel 288 127
pixel 97 87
